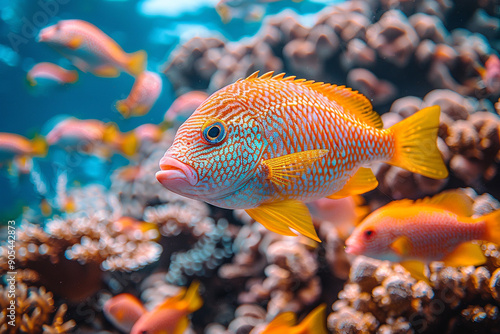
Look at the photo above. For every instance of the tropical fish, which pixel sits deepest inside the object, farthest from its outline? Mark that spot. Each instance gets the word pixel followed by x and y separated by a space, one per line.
pixel 184 106
pixel 144 93
pixel 265 144
pixel 135 228
pixel 314 323
pixel 171 316
pixel 149 132
pixel 439 228
pixel 249 10
pixel 91 50
pixel 17 151
pixel 51 72
pixel 123 311
pixel 491 74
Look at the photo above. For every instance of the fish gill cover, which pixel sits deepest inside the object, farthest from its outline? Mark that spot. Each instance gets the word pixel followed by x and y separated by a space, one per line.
pixel 93 93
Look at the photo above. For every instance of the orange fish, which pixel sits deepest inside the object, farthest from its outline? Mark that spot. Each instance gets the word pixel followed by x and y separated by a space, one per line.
pixel 149 132
pixel 314 323
pixel 123 311
pixel 267 144
pixel 438 228
pixel 91 50
pixel 144 93
pixel 170 317
pixel 17 151
pixel 135 228
pixel 51 72
pixel 184 106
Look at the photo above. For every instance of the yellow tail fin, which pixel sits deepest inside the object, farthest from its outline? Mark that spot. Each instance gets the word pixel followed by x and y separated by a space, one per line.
pixel 123 108
pixel 492 233
pixel 137 62
pixel 415 144
pixel 192 297
pixel 315 321
pixel 39 146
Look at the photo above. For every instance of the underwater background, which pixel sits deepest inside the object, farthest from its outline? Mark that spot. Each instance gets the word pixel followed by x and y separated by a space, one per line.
pixel 92 222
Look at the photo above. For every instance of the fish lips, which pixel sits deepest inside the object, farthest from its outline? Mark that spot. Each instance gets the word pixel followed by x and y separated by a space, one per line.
pixel 352 248
pixel 176 175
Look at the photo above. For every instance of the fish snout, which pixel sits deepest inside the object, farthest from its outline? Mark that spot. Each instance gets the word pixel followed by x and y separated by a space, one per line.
pixel 44 35
pixel 176 175
pixel 351 247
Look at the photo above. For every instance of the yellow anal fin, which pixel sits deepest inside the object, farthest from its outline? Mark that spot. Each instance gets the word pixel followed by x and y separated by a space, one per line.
pixel 281 169
pixel 361 182
pixel 279 216
pixel 402 246
pixel 281 321
pixel 416 269
pixel 106 71
pixel 466 254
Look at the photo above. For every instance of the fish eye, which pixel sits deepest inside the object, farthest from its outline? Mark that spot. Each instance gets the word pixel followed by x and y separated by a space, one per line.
pixel 214 132
pixel 369 233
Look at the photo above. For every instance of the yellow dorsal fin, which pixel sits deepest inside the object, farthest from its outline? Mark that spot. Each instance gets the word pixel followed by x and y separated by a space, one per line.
pixel 454 200
pixel 354 102
pixel 402 246
pixel 315 321
pixel 279 216
pixel 281 169
pixel 466 254
pixel 281 321
pixel 361 182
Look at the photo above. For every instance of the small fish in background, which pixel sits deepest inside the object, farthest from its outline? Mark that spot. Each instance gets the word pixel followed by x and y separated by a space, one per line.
pixel 123 311
pixel 248 10
pixel 135 228
pixel 313 323
pixel 149 132
pixel 145 91
pixel 267 144
pixel 490 74
pixel 171 316
pixel 184 106
pixel 91 50
pixel 50 72
pixel 16 152
pixel 414 233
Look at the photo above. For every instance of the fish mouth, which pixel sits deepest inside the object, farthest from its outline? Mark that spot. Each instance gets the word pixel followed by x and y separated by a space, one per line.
pixel 350 248
pixel 176 175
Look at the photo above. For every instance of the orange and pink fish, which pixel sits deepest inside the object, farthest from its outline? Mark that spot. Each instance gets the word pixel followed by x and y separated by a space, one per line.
pixel 184 106
pixel 17 151
pixel 123 311
pixel 268 144
pixel 414 233
pixel 51 72
pixel 145 91
pixel 313 323
pixel 149 132
pixel 91 50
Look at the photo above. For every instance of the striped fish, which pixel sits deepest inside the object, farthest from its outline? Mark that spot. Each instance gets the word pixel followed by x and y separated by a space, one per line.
pixel 267 144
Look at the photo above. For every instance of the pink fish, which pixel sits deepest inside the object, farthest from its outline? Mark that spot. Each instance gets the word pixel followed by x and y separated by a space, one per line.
pixel 123 311
pixel 146 90
pixel 91 50
pixel 184 106
pixel 51 72
pixel 17 151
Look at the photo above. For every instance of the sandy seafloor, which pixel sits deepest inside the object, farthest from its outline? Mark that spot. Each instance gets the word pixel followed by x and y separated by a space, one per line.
pixel 403 55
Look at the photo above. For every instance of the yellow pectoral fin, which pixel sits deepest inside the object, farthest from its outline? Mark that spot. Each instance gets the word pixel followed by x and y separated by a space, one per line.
pixel 106 71
pixel 75 43
pixel 416 269
pixel 181 326
pixel 466 254
pixel 281 169
pixel 402 246
pixel 279 216
pixel 361 182
pixel 282 320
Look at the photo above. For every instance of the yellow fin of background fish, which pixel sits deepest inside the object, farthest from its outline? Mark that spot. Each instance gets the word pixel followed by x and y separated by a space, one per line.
pixel 129 144
pixel 39 146
pixel 402 246
pixel 281 169
pixel 282 320
pixel 492 220
pixel 466 254
pixel 106 71
pixel 315 321
pixel 75 43
pixel 361 182
pixel 278 216
pixel 110 133
pixel 122 108
pixel 137 62
pixel 416 269
pixel 416 144
pixel 182 325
